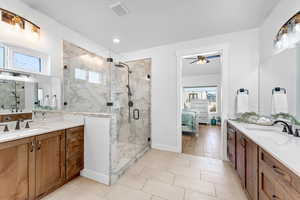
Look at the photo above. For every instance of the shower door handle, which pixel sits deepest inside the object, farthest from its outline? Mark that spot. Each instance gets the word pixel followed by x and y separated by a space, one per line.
pixel 136 114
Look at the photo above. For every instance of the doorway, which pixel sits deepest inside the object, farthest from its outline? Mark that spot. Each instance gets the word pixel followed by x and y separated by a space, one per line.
pixel 201 121
pixel 201 82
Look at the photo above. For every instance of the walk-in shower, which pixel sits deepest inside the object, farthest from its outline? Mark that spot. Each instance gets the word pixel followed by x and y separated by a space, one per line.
pixel 129 92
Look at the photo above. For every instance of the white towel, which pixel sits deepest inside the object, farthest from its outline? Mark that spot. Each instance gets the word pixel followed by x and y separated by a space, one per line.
pixel 242 103
pixel 279 103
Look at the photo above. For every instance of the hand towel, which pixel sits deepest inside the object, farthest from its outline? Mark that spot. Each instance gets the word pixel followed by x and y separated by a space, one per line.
pixel 279 103
pixel 242 103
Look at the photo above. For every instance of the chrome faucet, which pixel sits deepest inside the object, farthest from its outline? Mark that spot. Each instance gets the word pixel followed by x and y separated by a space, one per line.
pixel 287 128
pixel 5 127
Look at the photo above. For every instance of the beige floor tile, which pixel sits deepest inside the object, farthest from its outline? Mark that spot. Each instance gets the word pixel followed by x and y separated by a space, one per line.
pixel 136 169
pixel 163 190
pixel 158 175
pixel 134 181
pixel 193 195
pixel 218 178
pixel 195 184
pixel 157 198
pixel 185 171
pixel 119 192
pixel 230 192
pixel 80 188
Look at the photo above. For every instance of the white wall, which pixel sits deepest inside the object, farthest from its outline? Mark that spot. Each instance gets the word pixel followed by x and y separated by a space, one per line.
pixel 279 71
pixel 243 72
pixel 285 74
pixel 201 80
pixel 268 30
pixel 52 34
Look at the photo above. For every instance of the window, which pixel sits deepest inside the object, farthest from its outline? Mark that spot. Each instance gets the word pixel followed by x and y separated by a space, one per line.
pixel 26 62
pixel 2 57
pixel 95 77
pixel 80 74
pixel 203 93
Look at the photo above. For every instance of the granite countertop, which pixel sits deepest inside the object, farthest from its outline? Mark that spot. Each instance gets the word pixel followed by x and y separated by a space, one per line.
pixel 285 148
pixel 38 128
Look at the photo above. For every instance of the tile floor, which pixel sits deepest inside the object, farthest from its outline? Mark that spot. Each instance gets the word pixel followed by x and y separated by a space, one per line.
pixel 206 142
pixel 161 175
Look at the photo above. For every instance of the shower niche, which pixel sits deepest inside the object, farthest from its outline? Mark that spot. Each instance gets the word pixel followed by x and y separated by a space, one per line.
pixel 123 90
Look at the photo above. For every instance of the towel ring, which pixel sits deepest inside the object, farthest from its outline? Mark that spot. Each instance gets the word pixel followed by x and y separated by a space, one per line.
pixel 278 89
pixel 243 90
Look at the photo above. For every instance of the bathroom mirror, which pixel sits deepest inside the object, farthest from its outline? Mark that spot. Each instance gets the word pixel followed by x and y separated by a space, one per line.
pixel 282 70
pixel 22 96
pixel 16 96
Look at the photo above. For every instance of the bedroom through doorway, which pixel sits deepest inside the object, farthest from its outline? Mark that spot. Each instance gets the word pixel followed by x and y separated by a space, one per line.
pixel 201 105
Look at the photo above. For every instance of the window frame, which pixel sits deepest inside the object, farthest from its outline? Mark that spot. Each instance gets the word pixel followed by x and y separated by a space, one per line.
pixel 9 51
pixel 212 86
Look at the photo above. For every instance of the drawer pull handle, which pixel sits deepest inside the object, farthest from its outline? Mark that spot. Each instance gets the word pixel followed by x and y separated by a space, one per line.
pixel 39 145
pixel 32 146
pixel 278 171
pixel 274 197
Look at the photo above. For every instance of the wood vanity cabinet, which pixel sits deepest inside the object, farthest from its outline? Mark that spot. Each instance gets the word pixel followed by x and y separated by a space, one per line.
pixel 17 170
pixel 246 159
pixel 276 182
pixel 240 157
pixel 74 151
pixel 251 154
pixel 50 162
pixel 32 167
pixel 231 141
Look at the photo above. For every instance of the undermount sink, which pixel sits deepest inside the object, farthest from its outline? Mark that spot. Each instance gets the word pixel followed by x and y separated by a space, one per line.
pixel 261 128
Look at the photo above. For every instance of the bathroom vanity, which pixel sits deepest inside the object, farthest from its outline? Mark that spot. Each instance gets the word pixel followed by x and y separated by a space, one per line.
pixel 266 161
pixel 35 162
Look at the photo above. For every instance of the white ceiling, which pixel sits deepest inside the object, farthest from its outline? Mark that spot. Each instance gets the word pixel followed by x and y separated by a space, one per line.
pixel 213 67
pixel 155 22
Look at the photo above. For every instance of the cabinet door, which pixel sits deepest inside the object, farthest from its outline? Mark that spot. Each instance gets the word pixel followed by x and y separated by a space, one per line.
pixel 252 169
pixel 231 145
pixel 74 151
pixel 50 162
pixel 17 173
pixel 240 157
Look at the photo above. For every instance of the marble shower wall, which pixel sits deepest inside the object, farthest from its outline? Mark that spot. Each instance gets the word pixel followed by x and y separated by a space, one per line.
pixel 130 139
pixel 89 91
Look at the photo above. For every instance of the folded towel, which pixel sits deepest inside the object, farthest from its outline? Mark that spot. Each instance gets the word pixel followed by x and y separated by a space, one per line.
pixel 242 103
pixel 279 103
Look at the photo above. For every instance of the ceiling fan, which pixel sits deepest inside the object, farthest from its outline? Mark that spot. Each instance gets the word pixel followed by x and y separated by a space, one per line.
pixel 202 59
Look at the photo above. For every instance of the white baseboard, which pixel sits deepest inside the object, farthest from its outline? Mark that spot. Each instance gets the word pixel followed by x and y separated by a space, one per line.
pixel 165 148
pixel 96 176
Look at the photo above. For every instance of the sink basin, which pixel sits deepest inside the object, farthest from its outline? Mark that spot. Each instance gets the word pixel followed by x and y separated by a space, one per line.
pixel 277 138
pixel 262 128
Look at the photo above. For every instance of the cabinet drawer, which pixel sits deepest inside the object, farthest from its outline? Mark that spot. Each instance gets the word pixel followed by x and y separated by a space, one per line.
pixel 281 174
pixel 74 141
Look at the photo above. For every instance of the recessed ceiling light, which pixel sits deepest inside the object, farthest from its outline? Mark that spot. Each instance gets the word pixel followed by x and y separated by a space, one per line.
pixel 116 40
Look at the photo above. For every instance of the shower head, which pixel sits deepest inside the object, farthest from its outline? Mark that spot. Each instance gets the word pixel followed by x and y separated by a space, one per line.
pixel 123 65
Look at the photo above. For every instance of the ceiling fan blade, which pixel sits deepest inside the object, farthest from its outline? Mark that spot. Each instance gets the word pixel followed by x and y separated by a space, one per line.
pixel 215 56
pixel 190 58
pixel 194 61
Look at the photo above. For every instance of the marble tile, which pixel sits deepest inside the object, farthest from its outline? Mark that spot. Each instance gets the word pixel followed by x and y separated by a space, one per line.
pixel 163 190
pixel 195 184
pixel 119 192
